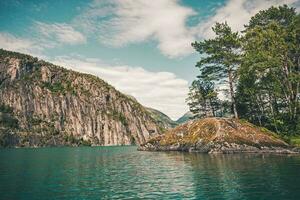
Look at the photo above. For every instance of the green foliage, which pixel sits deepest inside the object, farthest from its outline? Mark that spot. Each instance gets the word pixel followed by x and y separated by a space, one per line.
pixel 71 139
pixel 264 65
pixel 54 87
pixel 5 109
pixel 161 119
pixel 220 57
pixel 7 138
pixel 202 99
pixel 282 14
pixel 186 117
pixel 85 142
pixel 62 87
pixel 295 141
pixel 119 117
pixel 268 88
pixel 8 121
pixel 77 141
pixel 7 118
pixel 34 121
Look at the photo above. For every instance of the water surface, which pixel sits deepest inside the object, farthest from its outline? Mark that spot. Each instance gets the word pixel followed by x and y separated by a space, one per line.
pixel 124 173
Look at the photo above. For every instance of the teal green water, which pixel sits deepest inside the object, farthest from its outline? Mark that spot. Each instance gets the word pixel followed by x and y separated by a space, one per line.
pixel 124 173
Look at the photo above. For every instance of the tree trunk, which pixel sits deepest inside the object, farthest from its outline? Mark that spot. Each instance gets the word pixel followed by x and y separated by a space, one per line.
pixel 212 108
pixel 232 94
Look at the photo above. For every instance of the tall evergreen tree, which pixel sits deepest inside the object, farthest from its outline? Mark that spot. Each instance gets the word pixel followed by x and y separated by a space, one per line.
pixel 220 58
pixel 202 99
pixel 268 88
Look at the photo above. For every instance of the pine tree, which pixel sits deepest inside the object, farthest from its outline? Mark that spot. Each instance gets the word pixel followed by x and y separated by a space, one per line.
pixel 202 99
pixel 269 76
pixel 220 58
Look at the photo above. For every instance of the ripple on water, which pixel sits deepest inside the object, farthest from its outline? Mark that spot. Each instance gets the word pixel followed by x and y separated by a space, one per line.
pixel 124 173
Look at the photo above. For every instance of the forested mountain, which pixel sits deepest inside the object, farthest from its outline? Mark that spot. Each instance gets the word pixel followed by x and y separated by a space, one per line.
pixel 42 104
pixel 184 118
pixel 162 119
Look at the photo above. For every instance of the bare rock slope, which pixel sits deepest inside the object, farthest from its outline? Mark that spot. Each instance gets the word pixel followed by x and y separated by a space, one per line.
pixel 42 105
pixel 218 135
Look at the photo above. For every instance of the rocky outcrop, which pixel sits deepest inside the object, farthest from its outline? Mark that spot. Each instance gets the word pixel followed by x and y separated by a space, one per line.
pixel 218 135
pixel 42 104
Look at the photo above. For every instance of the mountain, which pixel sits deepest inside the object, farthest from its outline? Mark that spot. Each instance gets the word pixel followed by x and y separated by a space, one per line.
pixel 186 117
pixel 162 119
pixel 46 105
pixel 219 135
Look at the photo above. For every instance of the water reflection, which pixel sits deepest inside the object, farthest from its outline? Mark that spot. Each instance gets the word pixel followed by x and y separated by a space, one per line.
pixel 243 176
pixel 124 173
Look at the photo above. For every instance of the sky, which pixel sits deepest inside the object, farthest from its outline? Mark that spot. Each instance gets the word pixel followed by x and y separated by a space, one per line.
pixel 141 47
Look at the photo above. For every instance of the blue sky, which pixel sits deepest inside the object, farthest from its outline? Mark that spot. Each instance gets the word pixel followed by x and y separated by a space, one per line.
pixel 141 47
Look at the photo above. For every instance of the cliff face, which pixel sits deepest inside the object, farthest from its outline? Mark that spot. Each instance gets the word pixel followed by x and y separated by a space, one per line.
pixel 218 135
pixel 43 104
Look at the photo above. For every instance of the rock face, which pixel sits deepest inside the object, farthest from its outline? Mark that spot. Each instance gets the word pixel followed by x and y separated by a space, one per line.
pixel 162 119
pixel 42 104
pixel 218 135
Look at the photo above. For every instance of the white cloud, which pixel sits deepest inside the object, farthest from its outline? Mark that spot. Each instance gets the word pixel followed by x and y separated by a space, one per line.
pixel 237 13
pixel 47 36
pixel 160 90
pixel 59 32
pixel 23 45
pixel 120 22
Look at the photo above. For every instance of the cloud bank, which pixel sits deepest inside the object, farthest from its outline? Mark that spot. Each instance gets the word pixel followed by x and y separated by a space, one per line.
pixel 120 22
pixel 132 21
pixel 237 13
pixel 19 44
pixel 59 32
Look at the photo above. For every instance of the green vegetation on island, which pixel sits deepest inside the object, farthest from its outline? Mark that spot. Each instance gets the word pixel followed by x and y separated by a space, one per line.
pixel 259 72
pixel 260 69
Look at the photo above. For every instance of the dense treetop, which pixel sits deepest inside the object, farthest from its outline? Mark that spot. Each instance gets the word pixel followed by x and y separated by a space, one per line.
pixel 260 66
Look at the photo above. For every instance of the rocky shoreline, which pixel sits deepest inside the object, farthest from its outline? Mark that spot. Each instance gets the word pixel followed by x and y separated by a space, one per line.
pixel 219 135
pixel 219 148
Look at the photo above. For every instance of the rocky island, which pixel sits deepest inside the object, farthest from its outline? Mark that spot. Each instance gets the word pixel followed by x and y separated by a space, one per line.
pixel 219 135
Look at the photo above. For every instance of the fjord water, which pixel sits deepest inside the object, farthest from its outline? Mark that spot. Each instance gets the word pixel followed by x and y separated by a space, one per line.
pixel 124 173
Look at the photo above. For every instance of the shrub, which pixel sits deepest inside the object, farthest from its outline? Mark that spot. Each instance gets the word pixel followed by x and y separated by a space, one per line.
pixel 5 109
pixel 9 121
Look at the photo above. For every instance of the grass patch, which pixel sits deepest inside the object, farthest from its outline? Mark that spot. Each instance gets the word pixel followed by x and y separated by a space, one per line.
pixel 295 140
pixel 119 117
pixel 54 87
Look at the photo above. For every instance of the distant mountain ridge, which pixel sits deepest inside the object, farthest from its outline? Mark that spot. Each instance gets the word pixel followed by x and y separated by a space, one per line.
pixel 162 119
pixel 42 104
pixel 185 118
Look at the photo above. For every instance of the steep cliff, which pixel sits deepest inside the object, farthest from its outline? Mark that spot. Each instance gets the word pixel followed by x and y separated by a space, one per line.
pixel 42 104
